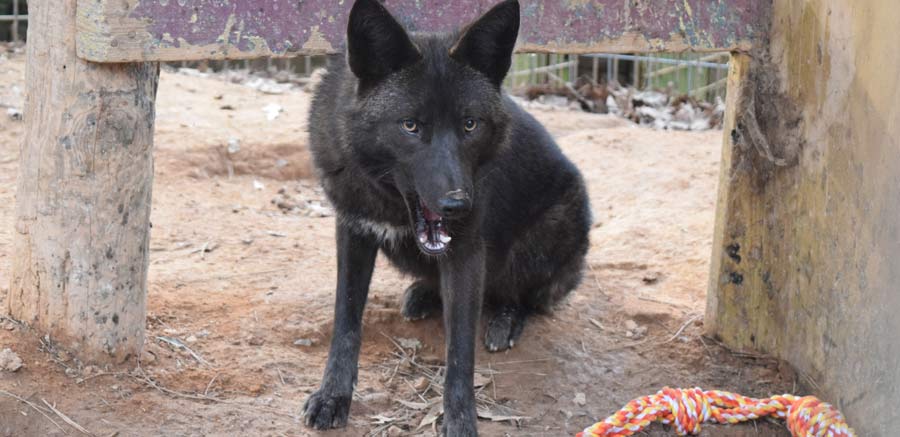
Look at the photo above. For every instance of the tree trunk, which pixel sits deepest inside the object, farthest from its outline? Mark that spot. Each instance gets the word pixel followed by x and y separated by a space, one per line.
pixel 83 196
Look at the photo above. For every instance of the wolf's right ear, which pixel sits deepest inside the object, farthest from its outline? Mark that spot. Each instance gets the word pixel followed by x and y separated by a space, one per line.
pixel 377 44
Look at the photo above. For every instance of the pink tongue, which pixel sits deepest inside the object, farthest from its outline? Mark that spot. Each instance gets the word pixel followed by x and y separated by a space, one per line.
pixel 430 216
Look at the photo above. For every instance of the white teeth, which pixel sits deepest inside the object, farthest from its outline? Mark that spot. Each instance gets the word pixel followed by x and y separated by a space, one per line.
pixel 434 246
pixel 445 238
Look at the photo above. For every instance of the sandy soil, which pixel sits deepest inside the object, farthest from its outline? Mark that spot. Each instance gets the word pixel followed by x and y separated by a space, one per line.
pixel 249 289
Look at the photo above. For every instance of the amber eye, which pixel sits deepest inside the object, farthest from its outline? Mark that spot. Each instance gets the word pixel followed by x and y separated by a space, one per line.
pixel 471 124
pixel 410 125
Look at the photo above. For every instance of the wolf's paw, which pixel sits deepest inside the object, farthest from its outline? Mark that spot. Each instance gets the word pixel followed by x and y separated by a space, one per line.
pixel 326 411
pixel 504 329
pixel 421 301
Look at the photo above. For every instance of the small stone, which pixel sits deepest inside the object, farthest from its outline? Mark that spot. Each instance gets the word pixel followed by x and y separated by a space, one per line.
pixel 9 361
pixel 234 145
pixel 14 114
pixel 631 325
pixel 650 278
pixel 394 431
pixel 316 209
pixel 191 339
pixel 305 342
pixel 580 399
pixel 272 110
pixel 410 343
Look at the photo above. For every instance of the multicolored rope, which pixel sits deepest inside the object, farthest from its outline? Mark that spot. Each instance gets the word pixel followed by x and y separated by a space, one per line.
pixel 687 409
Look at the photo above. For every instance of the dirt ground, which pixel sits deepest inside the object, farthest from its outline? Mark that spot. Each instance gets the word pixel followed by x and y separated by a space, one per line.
pixel 248 287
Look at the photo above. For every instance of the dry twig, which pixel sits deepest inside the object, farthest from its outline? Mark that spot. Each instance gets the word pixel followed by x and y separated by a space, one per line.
pixel 65 418
pixel 34 407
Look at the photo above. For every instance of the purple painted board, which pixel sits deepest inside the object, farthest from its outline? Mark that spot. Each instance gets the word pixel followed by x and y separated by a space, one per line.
pixel 138 30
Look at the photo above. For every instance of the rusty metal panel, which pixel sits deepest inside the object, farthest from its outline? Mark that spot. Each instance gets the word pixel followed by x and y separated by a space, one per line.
pixel 141 30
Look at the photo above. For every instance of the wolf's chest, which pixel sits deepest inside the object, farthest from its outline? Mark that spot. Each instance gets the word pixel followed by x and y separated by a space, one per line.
pixel 386 233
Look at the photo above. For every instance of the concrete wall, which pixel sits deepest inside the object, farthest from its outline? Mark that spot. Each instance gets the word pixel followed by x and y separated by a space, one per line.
pixel 806 263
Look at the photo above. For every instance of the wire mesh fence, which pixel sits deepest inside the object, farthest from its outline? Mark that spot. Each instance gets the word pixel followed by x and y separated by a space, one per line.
pixel 702 76
pixel 13 20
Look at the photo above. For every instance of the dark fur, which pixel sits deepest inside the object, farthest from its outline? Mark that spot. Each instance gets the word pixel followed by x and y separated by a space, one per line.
pixel 518 250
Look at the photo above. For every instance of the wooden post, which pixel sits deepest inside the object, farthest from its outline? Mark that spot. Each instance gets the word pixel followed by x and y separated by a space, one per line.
pixel 728 197
pixel 83 197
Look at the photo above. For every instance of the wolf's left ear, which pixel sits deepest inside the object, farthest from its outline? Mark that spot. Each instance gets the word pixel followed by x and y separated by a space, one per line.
pixel 377 44
pixel 487 44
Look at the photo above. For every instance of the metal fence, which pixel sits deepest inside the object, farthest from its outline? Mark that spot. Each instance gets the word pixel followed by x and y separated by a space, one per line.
pixel 702 76
pixel 13 19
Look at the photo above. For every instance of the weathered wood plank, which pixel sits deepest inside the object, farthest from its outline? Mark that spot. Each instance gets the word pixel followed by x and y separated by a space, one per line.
pixel 81 244
pixel 805 261
pixel 722 265
pixel 168 30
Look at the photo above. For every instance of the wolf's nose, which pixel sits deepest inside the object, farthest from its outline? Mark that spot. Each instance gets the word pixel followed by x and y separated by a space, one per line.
pixel 455 203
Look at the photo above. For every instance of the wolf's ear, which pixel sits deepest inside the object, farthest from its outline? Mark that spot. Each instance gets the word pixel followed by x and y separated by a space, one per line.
pixel 377 44
pixel 487 44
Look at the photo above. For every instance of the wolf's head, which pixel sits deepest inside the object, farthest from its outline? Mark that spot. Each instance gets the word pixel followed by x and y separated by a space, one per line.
pixel 429 111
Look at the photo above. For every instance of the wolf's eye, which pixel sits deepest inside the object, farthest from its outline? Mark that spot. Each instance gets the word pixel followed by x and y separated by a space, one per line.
pixel 410 125
pixel 471 124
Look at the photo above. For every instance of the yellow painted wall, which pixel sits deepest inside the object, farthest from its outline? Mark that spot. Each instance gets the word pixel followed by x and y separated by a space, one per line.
pixel 806 263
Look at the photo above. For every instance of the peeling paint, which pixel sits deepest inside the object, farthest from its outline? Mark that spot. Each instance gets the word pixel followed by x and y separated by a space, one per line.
pixel 317 41
pixel 275 27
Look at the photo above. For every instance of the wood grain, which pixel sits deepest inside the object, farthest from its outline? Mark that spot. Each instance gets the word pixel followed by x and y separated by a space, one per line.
pixel 83 195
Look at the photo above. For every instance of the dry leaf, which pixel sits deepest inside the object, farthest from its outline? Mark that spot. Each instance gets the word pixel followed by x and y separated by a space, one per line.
pixel 433 415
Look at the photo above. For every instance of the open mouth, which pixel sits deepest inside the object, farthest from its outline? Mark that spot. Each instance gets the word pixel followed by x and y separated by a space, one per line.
pixel 431 234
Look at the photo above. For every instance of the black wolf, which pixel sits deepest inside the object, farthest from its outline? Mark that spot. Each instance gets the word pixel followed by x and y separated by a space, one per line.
pixel 425 158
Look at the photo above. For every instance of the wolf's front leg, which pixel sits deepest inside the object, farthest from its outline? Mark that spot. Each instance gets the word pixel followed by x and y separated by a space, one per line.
pixel 462 288
pixel 330 405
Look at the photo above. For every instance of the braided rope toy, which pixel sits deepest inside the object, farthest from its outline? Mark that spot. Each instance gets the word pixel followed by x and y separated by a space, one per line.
pixel 687 409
